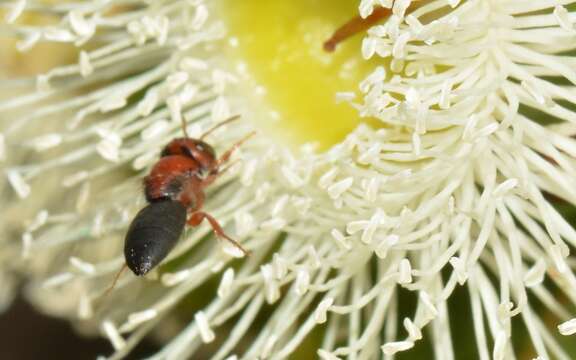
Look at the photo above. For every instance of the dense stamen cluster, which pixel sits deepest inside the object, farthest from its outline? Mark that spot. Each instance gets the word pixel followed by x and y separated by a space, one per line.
pixel 457 188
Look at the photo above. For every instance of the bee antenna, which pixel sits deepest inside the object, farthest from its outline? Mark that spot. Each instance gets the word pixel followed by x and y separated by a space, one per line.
pixel 184 128
pixel 224 122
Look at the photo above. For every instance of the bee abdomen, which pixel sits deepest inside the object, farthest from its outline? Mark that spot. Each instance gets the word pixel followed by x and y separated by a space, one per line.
pixel 152 234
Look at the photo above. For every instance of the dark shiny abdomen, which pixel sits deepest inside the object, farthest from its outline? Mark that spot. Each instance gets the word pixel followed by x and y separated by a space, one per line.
pixel 152 234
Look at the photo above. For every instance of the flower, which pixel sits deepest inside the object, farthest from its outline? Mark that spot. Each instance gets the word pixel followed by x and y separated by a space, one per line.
pixel 460 185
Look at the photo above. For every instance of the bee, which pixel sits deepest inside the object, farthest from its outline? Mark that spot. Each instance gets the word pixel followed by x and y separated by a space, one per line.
pixel 174 190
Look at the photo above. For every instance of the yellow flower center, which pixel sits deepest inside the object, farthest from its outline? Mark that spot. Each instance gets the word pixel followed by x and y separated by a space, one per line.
pixel 281 43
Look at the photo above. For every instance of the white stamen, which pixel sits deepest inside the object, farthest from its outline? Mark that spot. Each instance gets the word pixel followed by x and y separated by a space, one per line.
pixel 385 245
pixel 320 315
pixel 399 49
pixel 226 283
pixel 83 198
pixel 366 8
pixel 460 269
pixel 451 205
pixel 18 184
pixel 109 147
pixel 344 97
pixel 45 142
pixel 155 129
pixel 302 204
pixel 487 130
pixel 372 189
pixel 175 108
pixel 85 309
pixel 43 83
pixel 397 65
pixel 146 105
pixel 217 267
pixel 470 128
pixel 568 327
pixel 404 272
pixel 171 279
pixel 232 250
pixel 377 76
pixel 39 220
pixel 416 144
pixel 505 187
pixel 315 260
pixel 192 64
pixel 244 223
pixel 27 240
pixel 276 223
pixel 293 179
pixel 340 239
pixel 369 231
pixel 57 280
pixel 279 267
pixel 248 172
pixel 200 17
pixel 206 332
pixel 337 189
pixel 532 89
pixel 444 102
pixel 325 355
pixel 188 93
pixel 370 155
pixel 15 11
pixel 415 24
pixel 563 18
pixel 113 335
pixel 80 25
pixel 82 265
pixel 559 258
pixel 392 348
pixel 431 310
pixel 86 67
pixel 535 276
pixel 138 318
pixel 271 289
pixel 414 332
pixel 500 346
pixel 75 178
pixel 220 110
pixel 302 282
pixel 29 41
pixel 113 102
pixel 262 192
pixel 327 178
pixel 176 80
pixel 268 347
pixel 404 174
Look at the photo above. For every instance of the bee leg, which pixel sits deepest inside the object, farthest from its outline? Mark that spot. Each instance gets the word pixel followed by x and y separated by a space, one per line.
pixel 196 219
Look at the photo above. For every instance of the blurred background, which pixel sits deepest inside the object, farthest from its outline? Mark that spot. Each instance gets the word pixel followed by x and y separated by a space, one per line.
pixel 29 335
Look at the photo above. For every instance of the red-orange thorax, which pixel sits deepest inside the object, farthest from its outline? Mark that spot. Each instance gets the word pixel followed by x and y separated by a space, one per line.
pixel 171 178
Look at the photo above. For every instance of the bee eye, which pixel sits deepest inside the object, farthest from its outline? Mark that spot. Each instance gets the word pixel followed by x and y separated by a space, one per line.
pixel 186 151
